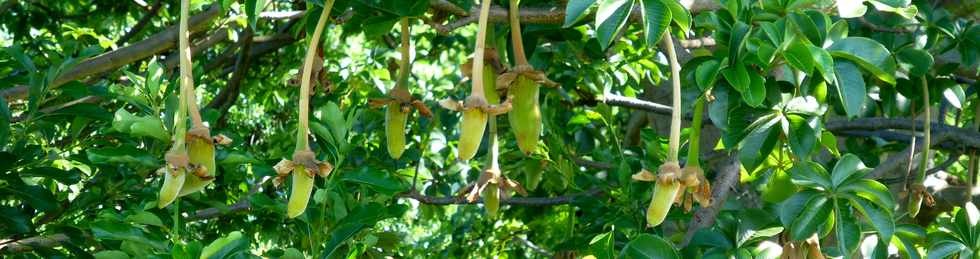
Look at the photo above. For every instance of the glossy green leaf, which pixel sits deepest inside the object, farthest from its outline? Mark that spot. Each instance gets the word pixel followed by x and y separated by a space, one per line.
pixel 738 77
pixel 916 61
pixel 955 95
pixel 225 246
pixel 871 190
pixel 881 219
pixel 811 174
pixel 610 18
pixel 111 254
pixel 679 14
pixel 798 55
pixel 846 231
pixel 824 63
pixel 656 20
pixel 575 10
pixel 848 165
pixel 779 187
pixel 851 89
pixel 813 215
pixel 790 208
pixel 603 245
pixel 649 247
pixel 756 93
pixel 758 143
pixel 945 249
pixel 707 73
pixel 871 55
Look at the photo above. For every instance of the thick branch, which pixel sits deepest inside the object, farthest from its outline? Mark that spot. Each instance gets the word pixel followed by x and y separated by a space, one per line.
pixel 111 60
pixel 725 181
pixel 152 12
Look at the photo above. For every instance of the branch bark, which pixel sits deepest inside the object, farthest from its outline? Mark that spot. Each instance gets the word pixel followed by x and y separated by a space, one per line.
pixel 725 181
pixel 107 61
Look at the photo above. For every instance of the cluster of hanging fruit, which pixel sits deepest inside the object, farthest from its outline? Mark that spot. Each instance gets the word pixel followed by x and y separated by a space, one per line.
pixel 190 164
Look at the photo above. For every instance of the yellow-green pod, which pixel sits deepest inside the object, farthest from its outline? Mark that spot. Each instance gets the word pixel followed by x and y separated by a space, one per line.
pixel 395 120
pixel 525 117
pixel 300 195
pixel 490 85
pixel 172 183
pixel 915 203
pixel 471 132
pixel 491 199
pixel 201 152
pixel 663 196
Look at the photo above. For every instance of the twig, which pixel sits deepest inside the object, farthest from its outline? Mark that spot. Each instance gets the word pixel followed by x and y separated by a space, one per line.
pixel 725 181
pixel 526 201
pixel 532 246
pixel 152 12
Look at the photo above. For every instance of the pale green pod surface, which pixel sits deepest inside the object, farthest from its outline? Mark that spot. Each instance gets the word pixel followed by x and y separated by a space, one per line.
pixel 172 183
pixel 490 85
pixel 471 132
pixel 525 117
pixel 300 195
pixel 491 199
pixel 663 196
pixel 395 121
pixel 201 152
pixel 914 205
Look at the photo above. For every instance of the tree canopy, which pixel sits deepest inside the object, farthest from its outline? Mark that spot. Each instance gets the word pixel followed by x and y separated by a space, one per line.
pixel 489 128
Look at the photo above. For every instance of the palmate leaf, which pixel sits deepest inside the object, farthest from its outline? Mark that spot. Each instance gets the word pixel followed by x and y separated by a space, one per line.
pixel 869 54
pixel 656 19
pixel 880 218
pixel 649 247
pixel 610 18
pixel 813 215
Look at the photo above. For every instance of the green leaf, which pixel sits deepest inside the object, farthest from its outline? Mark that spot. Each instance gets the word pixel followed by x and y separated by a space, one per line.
pixel 656 19
pixel 4 123
pixel 779 187
pixel 848 165
pixel 851 89
pixel 758 144
pixel 575 10
pixel 18 54
pixel 871 190
pixel 145 218
pixel 65 177
pixel 829 141
pixel 377 180
pixel 846 230
pixel 14 220
pixel 114 230
pixel 824 63
pixel 111 254
pixel 125 154
pixel 738 77
pixel 603 245
pixel 955 96
pixel 813 215
pixel 252 10
pixel 811 174
pixel 680 14
pixel 916 61
pixel 945 249
pixel 648 246
pixel 802 137
pixel 880 218
pixel 871 55
pixel 756 94
pixel 851 8
pixel 790 208
pixel 225 246
pixel 706 73
pixel 798 55
pixel 610 18
pixel 718 110
pixel 38 197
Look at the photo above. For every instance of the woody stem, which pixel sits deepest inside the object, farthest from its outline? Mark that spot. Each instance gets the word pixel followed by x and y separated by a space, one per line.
pixel 515 34
pixel 481 38
pixel 675 115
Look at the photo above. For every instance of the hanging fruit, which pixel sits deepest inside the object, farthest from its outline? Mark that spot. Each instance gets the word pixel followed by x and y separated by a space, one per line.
pixel 522 83
pixel 304 166
pixel 399 103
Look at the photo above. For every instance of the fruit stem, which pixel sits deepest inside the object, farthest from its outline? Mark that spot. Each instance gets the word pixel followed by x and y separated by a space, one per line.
pixel 180 120
pixel 481 38
pixel 515 34
pixel 186 67
pixel 927 132
pixel 403 64
pixel 302 132
pixel 675 115
pixel 694 144
pixel 494 144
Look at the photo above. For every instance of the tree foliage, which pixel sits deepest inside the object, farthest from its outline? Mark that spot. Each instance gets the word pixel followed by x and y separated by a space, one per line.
pixel 633 129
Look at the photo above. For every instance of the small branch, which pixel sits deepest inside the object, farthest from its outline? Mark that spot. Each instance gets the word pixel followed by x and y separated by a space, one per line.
pixel 28 244
pixel 448 7
pixel 526 201
pixel 532 246
pixel 725 181
pixel 630 102
pixel 152 12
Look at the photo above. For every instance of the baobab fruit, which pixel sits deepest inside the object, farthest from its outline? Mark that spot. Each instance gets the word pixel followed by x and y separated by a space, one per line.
pixel 200 147
pixel 471 132
pixel 525 118
pixel 300 194
pixel 664 193
pixel 491 199
pixel 173 181
pixel 395 121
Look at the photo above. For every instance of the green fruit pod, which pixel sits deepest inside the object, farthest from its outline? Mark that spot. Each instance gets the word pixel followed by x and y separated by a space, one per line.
pixel 525 117
pixel 172 184
pixel 300 195
pixel 395 120
pixel 471 132
pixel 663 196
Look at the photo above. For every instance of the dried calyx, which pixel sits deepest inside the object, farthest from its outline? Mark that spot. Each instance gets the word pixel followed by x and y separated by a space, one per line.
pixel 304 166
pixel 493 187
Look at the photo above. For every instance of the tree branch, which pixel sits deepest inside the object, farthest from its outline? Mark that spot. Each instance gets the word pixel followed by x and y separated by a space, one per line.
pixel 117 58
pixel 152 12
